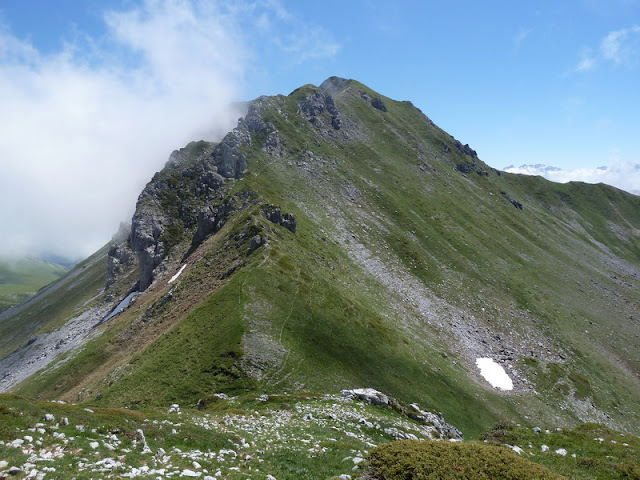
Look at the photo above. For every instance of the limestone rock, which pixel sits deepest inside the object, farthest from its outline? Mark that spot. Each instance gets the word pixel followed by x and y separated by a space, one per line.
pixel 274 215
pixel 369 395
pixel 119 259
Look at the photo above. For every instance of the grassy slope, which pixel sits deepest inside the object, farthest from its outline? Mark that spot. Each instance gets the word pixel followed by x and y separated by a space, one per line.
pixel 54 304
pixel 20 280
pixel 324 323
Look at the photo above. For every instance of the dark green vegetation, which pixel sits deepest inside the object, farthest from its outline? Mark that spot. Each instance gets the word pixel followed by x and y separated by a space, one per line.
pixel 411 258
pixel 415 460
pixel 21 279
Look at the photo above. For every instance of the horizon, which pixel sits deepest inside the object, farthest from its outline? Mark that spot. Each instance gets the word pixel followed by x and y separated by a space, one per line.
pixel 108 89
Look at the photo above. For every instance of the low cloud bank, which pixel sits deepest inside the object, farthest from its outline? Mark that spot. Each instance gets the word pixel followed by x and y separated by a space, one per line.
pixel 623 175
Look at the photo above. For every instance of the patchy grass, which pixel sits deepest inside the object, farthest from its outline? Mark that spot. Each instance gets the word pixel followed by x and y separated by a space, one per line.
pixel 584 452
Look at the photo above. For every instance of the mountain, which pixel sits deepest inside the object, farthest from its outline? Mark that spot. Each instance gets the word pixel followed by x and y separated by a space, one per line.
pixel 19 279
pixel 337 238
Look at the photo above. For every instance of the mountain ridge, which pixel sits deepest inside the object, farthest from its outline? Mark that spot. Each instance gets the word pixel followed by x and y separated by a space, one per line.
pixel 337 237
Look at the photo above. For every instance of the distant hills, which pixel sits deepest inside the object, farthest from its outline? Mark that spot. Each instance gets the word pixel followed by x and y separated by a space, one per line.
pixel 19 279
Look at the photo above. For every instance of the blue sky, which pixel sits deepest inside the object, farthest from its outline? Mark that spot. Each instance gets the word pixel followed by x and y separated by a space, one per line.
pixel 108 88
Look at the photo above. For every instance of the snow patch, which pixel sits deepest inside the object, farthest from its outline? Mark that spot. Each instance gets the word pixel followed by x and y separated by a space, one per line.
pixel 175 277
pixel 494 374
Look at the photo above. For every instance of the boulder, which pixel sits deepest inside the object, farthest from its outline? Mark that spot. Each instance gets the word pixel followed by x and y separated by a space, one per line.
pixel 377 103
pixel 369 395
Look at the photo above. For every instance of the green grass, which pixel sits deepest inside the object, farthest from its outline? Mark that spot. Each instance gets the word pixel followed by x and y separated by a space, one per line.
pixel 21 279
pixel 55 304
pixel 593 451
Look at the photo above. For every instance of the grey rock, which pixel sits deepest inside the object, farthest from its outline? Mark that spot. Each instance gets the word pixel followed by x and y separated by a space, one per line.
pixel 256 242
pixel 119 259
pixel 377 103
pixel 227 157
pixel 272 144
pixel 465 149
pixel 147 227
pixel 210 220
pixel 369 395
pixel 333 85
pixel 321 111
pixel 399 434
pixel 435 420
pixel 274 215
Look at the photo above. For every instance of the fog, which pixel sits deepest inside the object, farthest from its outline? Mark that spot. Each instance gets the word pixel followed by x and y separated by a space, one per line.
pixel 83 129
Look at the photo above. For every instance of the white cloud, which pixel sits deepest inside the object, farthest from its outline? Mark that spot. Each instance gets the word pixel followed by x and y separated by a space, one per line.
pixel 82 130
pixel 622 47
pixel 522 34
pixel 621 174
pixel 586 63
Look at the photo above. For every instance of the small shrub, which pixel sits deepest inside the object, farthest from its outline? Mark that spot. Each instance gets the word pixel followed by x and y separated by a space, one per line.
pixel 422 460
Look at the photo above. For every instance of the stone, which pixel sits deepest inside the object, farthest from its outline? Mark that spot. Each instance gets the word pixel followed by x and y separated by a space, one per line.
pixel 49 418
pixel 119 259
pixel 3 464
pixel 256 242
pixel 174 408
pixel 516 204
pixel 377 103
pixel 369 395
pixel 14 470
pixel 189 473
pixel 274 215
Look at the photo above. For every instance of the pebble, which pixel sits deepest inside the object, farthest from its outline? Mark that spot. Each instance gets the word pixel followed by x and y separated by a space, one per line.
pixel 189 473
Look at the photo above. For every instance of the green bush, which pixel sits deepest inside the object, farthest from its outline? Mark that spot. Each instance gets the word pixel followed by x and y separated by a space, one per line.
pixel 425 460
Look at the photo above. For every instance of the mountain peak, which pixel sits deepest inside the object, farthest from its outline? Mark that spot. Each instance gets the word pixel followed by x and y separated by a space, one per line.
pixel 333 85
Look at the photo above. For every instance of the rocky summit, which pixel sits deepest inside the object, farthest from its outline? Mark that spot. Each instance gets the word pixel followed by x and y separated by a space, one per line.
pixel 339 240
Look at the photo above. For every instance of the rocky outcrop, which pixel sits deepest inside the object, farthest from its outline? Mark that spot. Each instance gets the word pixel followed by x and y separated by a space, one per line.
pixel 189 192
pixel 434 425
pixel 378 104
pixel 320 110
pixel 210 220
pixel 513 202
pixel 146 231
pixel 119 259
pixel 465 149
pixel 227 156
pixel 333 85
pixel 274 215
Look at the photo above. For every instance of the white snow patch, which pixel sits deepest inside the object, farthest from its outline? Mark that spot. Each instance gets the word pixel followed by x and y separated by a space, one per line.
pixel 174 278
pixel 494 374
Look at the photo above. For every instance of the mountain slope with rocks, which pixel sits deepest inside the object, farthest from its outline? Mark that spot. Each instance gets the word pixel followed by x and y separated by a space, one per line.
pixel 336 239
